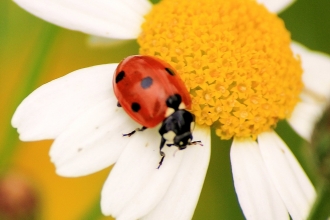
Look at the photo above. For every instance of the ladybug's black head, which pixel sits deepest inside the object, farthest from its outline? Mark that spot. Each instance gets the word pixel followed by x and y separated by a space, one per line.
pixel 177 128
pixel 178 125
pixel 182 140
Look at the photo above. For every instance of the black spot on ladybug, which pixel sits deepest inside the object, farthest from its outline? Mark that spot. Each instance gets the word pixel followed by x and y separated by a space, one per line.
pixel 135 107
pixel 174 101
pixel 120 76
pixel 146 82
pixel 169 71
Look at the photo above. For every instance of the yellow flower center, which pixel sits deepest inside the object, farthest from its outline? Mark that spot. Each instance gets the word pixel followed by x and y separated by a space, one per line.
pixel 234 57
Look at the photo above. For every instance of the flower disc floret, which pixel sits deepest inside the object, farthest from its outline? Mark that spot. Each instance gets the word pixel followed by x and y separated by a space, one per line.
pixel 234 57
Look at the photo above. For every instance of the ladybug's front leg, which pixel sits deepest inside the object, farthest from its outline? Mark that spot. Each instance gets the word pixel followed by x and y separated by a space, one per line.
pixel 138 129
pixel 162 143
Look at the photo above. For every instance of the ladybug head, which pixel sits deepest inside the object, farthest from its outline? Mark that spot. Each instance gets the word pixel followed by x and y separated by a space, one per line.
pixel 181 141
pixel 177 128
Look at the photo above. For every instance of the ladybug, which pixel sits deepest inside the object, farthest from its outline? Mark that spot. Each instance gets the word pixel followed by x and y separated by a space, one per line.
pixel 151 92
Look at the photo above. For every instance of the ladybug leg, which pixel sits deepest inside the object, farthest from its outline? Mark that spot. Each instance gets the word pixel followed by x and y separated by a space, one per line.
pixel 138 129
pixel 118 104
pixel 162 143
pixel 196 142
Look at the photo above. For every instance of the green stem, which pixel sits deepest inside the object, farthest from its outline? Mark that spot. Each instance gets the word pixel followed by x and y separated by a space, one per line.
pixel 34 69
pixel 321 208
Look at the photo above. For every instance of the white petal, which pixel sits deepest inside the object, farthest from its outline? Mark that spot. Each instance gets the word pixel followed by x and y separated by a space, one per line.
pixel 276 6
pixel 316 66
pixel 139 6
pixel 93 141
pixel 46 112
pixel 290 180
pixel 135 185
pixel 256 194
pixel 304 117
pixel 182 196
pixel 107 18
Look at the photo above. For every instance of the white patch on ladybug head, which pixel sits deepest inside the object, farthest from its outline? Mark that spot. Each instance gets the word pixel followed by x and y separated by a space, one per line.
pixel 169 136
pixel 192 126
pixel 169 111
pixel 181 143
pixel 182 106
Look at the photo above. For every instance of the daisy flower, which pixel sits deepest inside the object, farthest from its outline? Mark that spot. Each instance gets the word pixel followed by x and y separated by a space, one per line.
pixel 244 75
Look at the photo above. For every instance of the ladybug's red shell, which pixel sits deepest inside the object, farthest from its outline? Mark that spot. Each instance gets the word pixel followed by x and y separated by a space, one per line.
pixel 142 84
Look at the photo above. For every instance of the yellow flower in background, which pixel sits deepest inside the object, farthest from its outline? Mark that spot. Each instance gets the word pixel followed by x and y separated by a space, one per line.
pixel 236 60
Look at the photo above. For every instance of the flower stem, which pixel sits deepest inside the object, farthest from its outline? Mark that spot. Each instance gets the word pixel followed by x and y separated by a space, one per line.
pixel 321 208
pixel 34 69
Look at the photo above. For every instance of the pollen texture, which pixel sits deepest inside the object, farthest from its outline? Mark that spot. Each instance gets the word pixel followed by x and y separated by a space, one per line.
pixel 234 57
